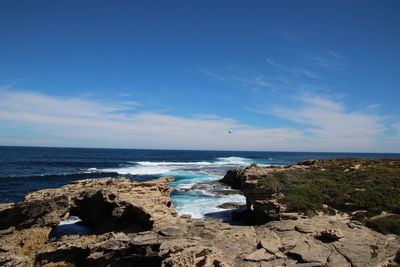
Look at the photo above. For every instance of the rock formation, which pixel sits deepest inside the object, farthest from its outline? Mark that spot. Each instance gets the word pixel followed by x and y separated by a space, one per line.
pixel 262 202
pixel 135 224
pixel 363 188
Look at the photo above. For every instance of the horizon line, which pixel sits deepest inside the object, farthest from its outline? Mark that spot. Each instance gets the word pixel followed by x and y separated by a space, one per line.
pixel 213 150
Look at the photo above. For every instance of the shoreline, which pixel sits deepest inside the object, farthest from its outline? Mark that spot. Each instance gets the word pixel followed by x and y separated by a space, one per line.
pixel 133 222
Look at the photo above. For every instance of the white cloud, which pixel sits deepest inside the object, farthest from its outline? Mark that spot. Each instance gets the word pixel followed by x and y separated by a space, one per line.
pixel 83 122
pixel 326 125
pixel 373 106
pixel 331 126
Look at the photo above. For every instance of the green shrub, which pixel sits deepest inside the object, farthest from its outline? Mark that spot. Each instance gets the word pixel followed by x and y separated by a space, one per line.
pixel 304 199
pixel 373 186
pixel 386 225
pixel 271 183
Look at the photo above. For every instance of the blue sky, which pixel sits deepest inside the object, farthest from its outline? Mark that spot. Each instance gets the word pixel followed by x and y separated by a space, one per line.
pixel 280 75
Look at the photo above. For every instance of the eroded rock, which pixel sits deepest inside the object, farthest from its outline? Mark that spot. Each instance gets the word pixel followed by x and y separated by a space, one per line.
pixel 172 240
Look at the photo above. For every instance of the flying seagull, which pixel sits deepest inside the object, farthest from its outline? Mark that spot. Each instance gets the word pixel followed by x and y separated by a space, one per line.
pixel 229 132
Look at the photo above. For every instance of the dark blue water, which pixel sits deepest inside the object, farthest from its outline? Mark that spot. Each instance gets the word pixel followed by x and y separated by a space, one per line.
pixel 26 169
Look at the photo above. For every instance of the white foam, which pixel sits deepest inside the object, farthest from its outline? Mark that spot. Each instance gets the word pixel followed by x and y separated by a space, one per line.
pixel 171 163
pixel 139 170
pixel 70 220
pixel 184 186
pixel 199 206
pixel 219 161
pixel 163 167
pixel 234 161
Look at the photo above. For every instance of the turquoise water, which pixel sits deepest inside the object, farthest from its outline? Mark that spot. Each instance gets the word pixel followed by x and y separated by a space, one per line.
pixel 26 169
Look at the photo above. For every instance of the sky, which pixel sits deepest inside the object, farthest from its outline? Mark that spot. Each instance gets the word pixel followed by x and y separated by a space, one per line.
pixel 306 75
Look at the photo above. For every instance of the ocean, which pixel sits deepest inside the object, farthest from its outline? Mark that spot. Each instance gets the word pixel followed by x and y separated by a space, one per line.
pixel 27 169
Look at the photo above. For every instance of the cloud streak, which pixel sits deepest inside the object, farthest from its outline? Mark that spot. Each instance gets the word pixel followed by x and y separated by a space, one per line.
pixel 319 124
pixel 329 124
pixel 295 71
pixel 83 122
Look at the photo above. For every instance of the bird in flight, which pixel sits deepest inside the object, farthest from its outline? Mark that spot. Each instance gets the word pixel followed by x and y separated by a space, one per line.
pixel 229 132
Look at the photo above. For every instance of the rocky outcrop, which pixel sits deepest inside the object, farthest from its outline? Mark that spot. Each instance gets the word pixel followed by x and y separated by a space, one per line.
pixel 102 204
pixel 263 201
pixel 135 224
pixel 361 187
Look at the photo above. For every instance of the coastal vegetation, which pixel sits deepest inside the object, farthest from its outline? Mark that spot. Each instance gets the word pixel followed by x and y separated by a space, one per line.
pixel 363 187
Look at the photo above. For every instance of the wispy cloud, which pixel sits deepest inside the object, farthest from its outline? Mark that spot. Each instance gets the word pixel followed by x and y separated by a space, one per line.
pixel 295 35
pixel 295 71
pixel 373 106
pixel 333 54
pixel 249 81
pixel 257 81
pixel 291 36
pixel 326 59
pixel 330 124
pixel 214 75
pixel 84 122
pixel 326 125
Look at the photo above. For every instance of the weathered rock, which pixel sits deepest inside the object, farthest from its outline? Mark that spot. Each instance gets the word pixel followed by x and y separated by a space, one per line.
pixel 172 230
pixel 196 256
pixel 263 202
pixel 259 255
pixel 176 245
pixel 121 204
pixel 336 259
pixel 308 250
pixel 15 261
pixel 231 205
pixel 178 241
pixel 305 228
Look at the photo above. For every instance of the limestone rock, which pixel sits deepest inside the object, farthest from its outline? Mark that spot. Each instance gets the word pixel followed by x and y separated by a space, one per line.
pixel 309 250
pixel 143 230
pixel 305 228
pixel 15 261
pixel 176 245
pixel 259 255
pixel 336 259
pixel 120 203
pixel 263 202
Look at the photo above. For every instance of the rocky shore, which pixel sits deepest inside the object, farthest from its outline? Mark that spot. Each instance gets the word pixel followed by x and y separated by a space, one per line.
pixel 135 224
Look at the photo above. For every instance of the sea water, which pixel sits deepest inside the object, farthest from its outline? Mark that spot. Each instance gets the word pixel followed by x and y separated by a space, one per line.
pixel 27 169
